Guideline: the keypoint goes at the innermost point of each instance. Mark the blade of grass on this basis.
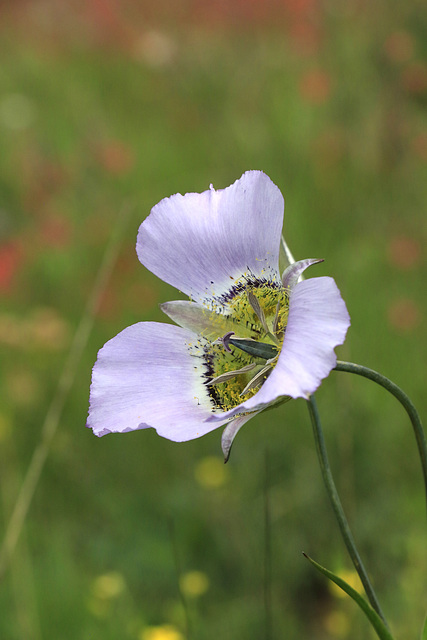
(22, 582)
(372, 615)
(66, 379)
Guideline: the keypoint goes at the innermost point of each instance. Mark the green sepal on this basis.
(373, 617)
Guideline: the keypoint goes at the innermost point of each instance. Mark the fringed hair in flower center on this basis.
(237, 364)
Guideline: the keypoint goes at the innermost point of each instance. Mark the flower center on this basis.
(240, 362)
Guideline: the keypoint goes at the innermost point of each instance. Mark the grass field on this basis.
(107, 107)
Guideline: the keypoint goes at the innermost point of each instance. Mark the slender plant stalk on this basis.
(65, 382)
(178, 573)
(404, 400)
(267, 553)
(337, 507)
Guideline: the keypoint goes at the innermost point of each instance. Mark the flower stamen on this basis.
(258, 379)
(276, 319)
(224, 377)
(259, 312)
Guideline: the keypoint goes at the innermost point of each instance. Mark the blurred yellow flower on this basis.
(47, 328)
(156, 49)
(43, 328)
(194, 583)
(211, 472)
(164, 632)
(351, 578)
(108, 586)
(104, 589)
(22, 387)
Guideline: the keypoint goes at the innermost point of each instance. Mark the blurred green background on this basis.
(107, 104)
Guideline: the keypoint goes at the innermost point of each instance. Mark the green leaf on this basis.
(424, 631)
(373, 617)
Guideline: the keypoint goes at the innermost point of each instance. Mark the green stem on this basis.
(404, 400)
(267, 553)
(337, 507)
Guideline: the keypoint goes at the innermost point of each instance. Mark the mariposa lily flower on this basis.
(248, 338)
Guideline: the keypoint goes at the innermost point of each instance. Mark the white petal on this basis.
(317, 323)
(293, 273)
(202, 243)
(148, 376)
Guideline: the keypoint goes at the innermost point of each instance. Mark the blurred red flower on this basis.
(404, 315)
(116, 157)
(10, 262)
(315, 86)
(419, 146)
(56, 231)
(404, 252)
(399, 46)
(414, 78)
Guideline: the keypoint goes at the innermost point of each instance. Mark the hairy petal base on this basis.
(317, 322)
